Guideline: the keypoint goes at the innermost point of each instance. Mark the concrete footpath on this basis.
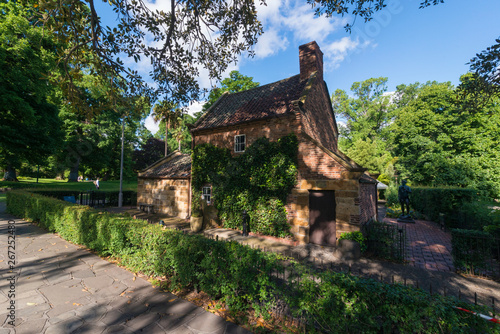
(61, 288)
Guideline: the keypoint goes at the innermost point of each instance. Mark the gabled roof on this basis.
(367, 179)
(270, 100)
(176, 165)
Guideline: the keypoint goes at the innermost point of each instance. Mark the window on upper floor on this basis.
(239, 143)
(207, 194)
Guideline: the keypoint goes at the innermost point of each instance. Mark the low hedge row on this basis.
(432, 201)
(246, 278)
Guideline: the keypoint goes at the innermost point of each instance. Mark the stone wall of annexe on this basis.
(319, 171)
(169, 196)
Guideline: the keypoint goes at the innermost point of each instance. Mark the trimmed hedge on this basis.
(432, 201)
(243, 277)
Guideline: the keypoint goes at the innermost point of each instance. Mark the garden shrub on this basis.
(480, 215)
(432, 201)
(472, 250)
(245, 278)
(391, 194)
(257, 181)
(355, 236)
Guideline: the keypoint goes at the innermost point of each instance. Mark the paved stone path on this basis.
(61, 288)
(428, 246)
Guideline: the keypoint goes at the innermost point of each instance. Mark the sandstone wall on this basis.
(169, 196)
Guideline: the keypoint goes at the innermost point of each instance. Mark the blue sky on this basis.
(404, 43)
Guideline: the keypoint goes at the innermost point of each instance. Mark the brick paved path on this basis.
(428, 247)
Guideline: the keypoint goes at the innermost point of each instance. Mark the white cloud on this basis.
(195, 106)
(336, 51)
(339, 50)
(270, 43)
(150, 124)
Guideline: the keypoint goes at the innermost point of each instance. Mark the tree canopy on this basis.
(366, 116)
(440, 141)
(236, 82)
(177, 41)
(29, 126)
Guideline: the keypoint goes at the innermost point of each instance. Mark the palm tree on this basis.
(169, 113)
(178, 133)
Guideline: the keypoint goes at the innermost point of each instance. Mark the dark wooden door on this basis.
(322, 217)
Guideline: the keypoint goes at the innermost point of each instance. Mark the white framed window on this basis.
(207, 194)
(239, 143)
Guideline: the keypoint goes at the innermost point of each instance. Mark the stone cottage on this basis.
(333, 194)
(166, 185)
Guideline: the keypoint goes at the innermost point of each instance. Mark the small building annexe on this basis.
(332, 194)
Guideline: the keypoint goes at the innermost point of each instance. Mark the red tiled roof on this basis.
(175, 165)
(257, 103)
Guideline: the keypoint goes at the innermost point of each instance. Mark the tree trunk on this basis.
(166, 138)
(10, 174)
(73, 171)
(179, 145)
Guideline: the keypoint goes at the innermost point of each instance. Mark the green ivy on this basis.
(257, 181)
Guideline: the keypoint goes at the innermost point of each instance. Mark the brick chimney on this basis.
(311, 60)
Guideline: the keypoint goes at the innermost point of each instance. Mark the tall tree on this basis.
(168, 113)
(487, 64)
(149, 152)
(236, 82)
(93, 144)
(439, 141)
(366, 116)
(179, 132)
(29, 125)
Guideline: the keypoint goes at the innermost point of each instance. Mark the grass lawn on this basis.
(59, 184)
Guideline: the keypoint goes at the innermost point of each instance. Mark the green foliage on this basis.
(236, 82)
(51, 184)
(196, 207)
(391, 194)
(478, 215)
(257, 181)
(472, 250)
(384, 240)
(384, 178)
(440, 140)
(244, 278)
(433, 201)
(29, 125)
(363, 138)
(355, 236)
(393, 212)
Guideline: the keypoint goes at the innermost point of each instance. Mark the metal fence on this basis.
(92, 198)
(476, 253)
(387, 241)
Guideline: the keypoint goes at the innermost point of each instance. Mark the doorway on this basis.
(322, 223)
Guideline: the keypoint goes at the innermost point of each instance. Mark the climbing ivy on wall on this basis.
(258, 181)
